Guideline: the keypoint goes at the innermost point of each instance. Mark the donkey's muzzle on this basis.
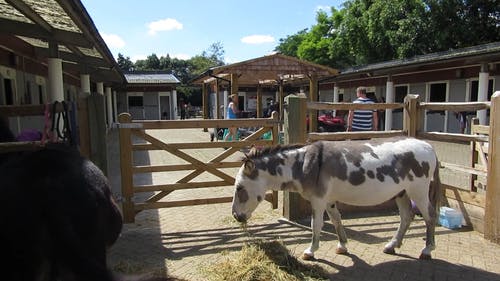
(240, 217)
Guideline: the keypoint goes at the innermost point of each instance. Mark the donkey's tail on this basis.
(435, 189)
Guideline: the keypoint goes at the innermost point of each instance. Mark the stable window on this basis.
(41, 98)
(9, 92)
(400, 93)
(437, 92)
(135, 101)
(474, 89)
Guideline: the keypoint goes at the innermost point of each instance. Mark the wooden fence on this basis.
(414, 111)
(215, 166)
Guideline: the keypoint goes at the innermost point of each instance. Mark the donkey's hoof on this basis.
(425, 256)
(307, 257)
(389, 251)
(341, 251)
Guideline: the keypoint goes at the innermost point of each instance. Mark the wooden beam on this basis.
(34, 31)
(30, 13)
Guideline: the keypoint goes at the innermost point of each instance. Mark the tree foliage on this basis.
(124, 63)
(367, 31)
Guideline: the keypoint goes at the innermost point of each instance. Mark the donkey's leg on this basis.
(316, 225)
(406, 214)
(430, 216)
(336, 219)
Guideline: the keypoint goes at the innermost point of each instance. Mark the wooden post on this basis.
(83, 127)
(234, 85)
(492, 210)
(97, 131)
(313, 96)
(294, 207)
(276, 141)
(474, 156)
(217, 100)
(259, 101)
(411, 116)
(281, 100)
(126, 168)
(204, 99)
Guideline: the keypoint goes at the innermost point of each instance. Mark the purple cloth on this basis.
(29, 135)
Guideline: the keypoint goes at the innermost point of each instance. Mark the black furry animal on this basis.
(57, 215)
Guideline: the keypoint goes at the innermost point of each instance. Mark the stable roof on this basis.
(452, 59)
(151, 78)
(27, 27)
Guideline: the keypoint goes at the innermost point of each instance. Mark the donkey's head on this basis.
(250, 191)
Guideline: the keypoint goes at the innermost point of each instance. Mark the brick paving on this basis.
(184, 240)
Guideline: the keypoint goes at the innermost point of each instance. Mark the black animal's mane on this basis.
(271, 150)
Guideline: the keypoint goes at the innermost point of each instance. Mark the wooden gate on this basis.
(130, 130)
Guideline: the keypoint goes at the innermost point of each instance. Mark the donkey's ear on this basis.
(249, 167)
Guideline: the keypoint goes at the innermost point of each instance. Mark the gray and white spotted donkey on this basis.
(361, 173)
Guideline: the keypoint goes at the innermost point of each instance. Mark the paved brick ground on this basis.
(185, 240)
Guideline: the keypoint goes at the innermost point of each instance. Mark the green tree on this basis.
(289, 46)
(368, 31)
(124, 63)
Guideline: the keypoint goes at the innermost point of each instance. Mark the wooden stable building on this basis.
(462, 75)
(51, 51)
(149, 95)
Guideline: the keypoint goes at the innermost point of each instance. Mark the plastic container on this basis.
(450, 218)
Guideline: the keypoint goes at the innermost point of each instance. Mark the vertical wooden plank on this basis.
(313, 96)
(234, 84)
(492, 210)
(97, 131)
(83, 127)
(281, 100)
(276, 141)
(217, 100)
(411, 116)
(474, 156)
(126, 168)
(259, 101)
(294, 207)
(204, 100)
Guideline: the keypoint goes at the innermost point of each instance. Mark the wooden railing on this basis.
(139, 129)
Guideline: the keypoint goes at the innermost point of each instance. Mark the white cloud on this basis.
(164, 25)
(135, 58)
(323, 8)
(113, 40)
(181, 56)
(257, 39)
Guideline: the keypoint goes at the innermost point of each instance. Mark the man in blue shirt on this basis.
(362, 120)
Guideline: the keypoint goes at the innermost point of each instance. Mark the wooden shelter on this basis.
(271, 70)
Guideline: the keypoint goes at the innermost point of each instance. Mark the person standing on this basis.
(232, 111)
(362, 120)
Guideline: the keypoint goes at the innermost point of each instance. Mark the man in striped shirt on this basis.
(362, 120)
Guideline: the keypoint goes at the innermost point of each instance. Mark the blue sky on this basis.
(185, 28)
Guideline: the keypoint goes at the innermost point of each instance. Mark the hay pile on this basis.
(259, 261)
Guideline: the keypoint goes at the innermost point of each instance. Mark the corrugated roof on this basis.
(489, 52)
(151, 78)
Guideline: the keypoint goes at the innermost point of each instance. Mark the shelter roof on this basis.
(151, 78)
(267, 70)
(27, 27)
